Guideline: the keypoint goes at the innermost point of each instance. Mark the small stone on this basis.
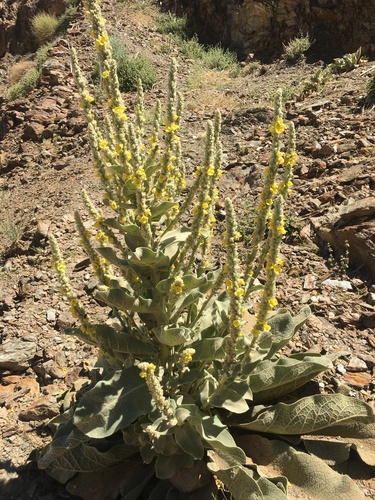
(356, 365)
(310, 282)
(371, 298)
(345, 285)
(340, 368)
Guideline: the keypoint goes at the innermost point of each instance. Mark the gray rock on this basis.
(17, 356)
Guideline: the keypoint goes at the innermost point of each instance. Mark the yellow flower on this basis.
(105, 74)
(280, 229)
(236, 323)
(277, 126)
(89, 98)
(103, 144)
(102, 40)
(272, 302)
(211, 171)
(172, 127)
(274, 188)
(290, 159)
(177, 286)
(118, 110)
(118, 148)
(280, 157)
(187, 356)
(114, 205)
(239, 292)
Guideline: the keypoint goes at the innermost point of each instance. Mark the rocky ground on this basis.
(45, 162)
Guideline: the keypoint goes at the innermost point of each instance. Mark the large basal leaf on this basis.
(113, 403)
(108, 483)
(360, 435)
(272, 379)
(217, 436)
(310, 414)
(309, 476)
(66, 436)
(240, 481)
(331, 452)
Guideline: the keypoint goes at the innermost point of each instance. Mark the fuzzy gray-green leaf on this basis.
(114, 402)
(310, 414)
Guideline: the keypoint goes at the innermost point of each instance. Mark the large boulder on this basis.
(262, 27)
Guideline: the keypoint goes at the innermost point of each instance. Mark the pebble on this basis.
(356, 365)
(345, 285)
(51, 315)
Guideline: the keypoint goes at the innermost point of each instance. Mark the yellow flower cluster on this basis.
(177, 286)
(187, 356)
(277, 126)
(146, 369)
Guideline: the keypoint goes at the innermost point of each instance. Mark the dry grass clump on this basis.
(18, 70)
(44, 27)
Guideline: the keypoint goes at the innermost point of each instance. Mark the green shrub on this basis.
(171, 24)
(370, 97)
(44, 27)
(24, 86)
(130, 68)
(191, 48)
(347, 62)
(294, 51)
(65, 19)
(42, 54)
(138, 67)
(218, 58)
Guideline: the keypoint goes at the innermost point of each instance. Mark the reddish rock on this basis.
(41, 409)
(33, 131)
(357, 380)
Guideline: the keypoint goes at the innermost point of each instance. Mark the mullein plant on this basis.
(181, 374)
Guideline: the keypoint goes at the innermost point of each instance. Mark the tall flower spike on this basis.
(100, 266)
(76, 308)
(234, 286)
(273, 268)
(288, 163)
(163, 405)
(269, 189)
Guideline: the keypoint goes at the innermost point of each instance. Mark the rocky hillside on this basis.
(45, 162)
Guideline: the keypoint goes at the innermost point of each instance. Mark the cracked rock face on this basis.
(261, 27)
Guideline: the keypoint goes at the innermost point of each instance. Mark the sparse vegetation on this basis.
(44, 27)
(171, 24)
(130, 68)
(25, 85)
(294, 51)
(370, 97)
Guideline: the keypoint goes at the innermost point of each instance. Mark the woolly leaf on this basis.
(113, 403)
(310, 414)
